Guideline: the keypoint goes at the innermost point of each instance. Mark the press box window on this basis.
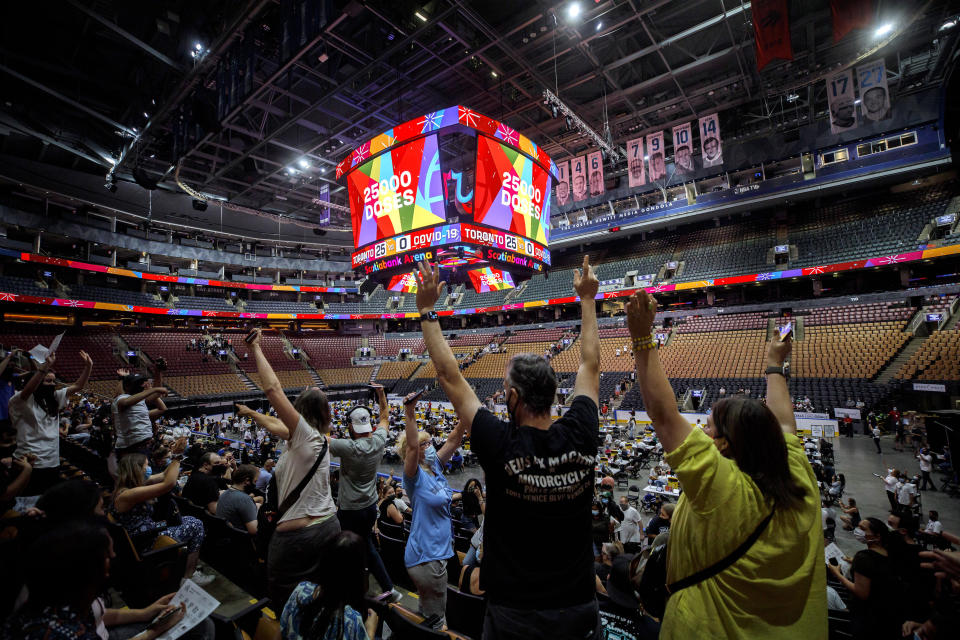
(840, 155)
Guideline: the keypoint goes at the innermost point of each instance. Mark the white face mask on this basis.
(860, 535)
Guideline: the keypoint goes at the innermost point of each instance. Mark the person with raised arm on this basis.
(538, 546)
(745, 556)
(35, 415)
(133, 417)
(295, 553)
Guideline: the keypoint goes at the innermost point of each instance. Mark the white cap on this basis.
(360, 420)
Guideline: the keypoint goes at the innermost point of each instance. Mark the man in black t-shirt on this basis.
(538, 553)
(203, 485)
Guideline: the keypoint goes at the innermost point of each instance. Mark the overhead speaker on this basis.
(199, 205)
(141, 178)
(320, 232)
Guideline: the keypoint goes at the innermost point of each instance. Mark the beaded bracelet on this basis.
(644, 343)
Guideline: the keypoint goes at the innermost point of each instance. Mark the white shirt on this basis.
(925, 461)
(400, 504)
(903, 495)
(890, 484)
(934, 526)
(630, 527)
(294, 464)
(132, 424)
(876, 432)
(37, 432)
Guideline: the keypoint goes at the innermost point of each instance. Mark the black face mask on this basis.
(218, 470)
(45, 396)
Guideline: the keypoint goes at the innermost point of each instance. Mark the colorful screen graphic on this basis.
(396, 192)
(460, 257)
(490, 279)
(404, 283)
(513, 192)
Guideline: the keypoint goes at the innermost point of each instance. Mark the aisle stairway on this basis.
(911, 347)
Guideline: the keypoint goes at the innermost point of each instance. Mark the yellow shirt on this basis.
(778, 588)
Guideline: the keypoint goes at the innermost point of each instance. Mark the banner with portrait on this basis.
(636, 175)
(841, 98)
(874, 93)
(710, 141)
(595, 167)
(563, 182)
(578, 173)
(683, 149)
(658, 165)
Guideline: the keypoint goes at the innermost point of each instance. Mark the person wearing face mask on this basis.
(132, 417)
(630, 534)
(235, 504)
(35, 414)
(874, 608)
(540, 478)
(203, 485)
(745, 557)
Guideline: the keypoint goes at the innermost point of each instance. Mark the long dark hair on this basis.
(65, 562)
(757, 446)
(341, 580)
(313, 406)
(45, 396)
(471, 504)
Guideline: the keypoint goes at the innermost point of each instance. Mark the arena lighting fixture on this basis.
(599, 26)
(883, 30)
(573, 10)
(420, 16)
(949, 23)
(572, 118)
(304, 163)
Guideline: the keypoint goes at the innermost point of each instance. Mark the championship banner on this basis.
(771, 31)
(563, 184)
(658, 168)
(710, 142)
(635, 171)
(874, 94)
(850, 14)
(683, 148)
(578, 171)
(595, 163)
(841, 99)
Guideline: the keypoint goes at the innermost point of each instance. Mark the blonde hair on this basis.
(402, 442)
(130, 471)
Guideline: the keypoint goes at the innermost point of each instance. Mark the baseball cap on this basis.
(360, 420)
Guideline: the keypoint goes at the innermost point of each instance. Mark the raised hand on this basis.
(585, 283)
(255, 341)
(87, 360)
(641, 311)
(123, 373)
(244, 411)
(429, 286)
(778, 350)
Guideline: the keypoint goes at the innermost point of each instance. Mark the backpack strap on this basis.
(721, 565)
(294, 495)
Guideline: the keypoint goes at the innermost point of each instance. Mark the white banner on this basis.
(874, 94)
(826, 428)
(710, 143)
(578, 171)
(636, 175)
(928, 386)
(843, 413)
(595, 166)
(658, 166)
(800, 415)
(683, 148)
(840, 97)
(563, 182)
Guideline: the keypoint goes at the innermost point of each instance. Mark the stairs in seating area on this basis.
(317, 380)
(913, 345)
(247, 382)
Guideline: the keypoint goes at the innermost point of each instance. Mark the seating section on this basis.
(114, 295)
(871, 312)
(279, 306)
(273, 347)
(732, 322)
(293, 379)
(173, 347)
(393, 371)
(217, 303)
(847, 350)
(23, 286)
(733, 249)
(714, 353)
(937, 359)
(392, 347)
(345, 376)
(536, 335)
(205, 385)
(326, 350)
(99, 344)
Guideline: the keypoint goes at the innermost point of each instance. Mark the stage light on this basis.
(883, 30)
(599, 26)
(420, 16)
(304, 163)
(146, 115)
(198, 47)
(573, 10)
(493, 73)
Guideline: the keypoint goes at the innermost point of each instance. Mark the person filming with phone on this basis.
(745, 556)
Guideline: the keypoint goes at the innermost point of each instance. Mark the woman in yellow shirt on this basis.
(746, 464)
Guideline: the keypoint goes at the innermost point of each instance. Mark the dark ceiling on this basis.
(89, 84)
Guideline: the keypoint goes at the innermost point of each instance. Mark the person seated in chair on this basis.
(235, 504)
(203, 485)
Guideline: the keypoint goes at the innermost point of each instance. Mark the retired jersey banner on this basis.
(578, 172)
(841, 97)
(635, 172)
(874, 94)
(563, 182)
(771, 31)
(683, 148)
(595, 165)
(710, 142)
(658, 166)
(850, 14)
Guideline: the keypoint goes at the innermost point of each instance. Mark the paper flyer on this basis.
(200, 604)
(40, 352)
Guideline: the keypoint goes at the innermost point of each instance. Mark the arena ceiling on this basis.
(136, 88)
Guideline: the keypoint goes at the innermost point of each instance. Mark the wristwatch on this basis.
(783, 370)
(429, 316)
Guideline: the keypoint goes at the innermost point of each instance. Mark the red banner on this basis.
(771, 30)
(849, 15)
(635, 162)
(578, 171)
(595, 165)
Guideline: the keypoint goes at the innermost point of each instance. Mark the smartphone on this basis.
(834, 562)
(786, 330)
(250, 337)
(878, 475)
(415, 397)
(163, 618)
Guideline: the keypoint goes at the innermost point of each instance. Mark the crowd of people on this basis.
(551, 548)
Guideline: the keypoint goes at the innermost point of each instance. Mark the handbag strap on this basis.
(721, 565)
(294, 495)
